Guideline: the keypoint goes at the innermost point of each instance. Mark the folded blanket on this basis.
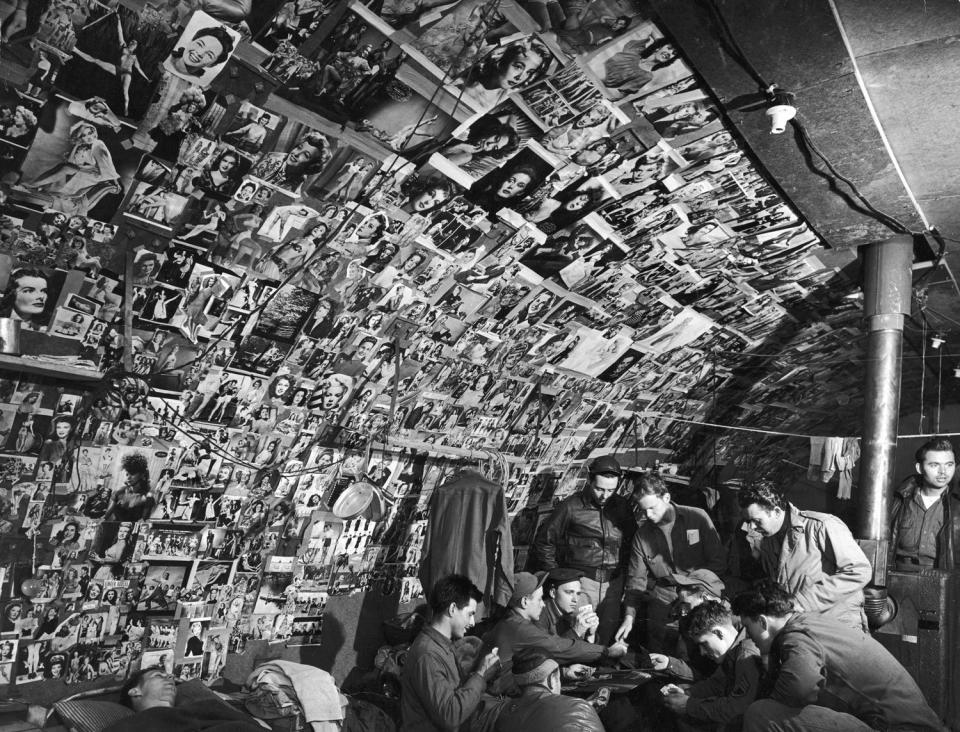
(313, 688)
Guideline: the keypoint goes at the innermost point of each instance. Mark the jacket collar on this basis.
(588, 502)
(437, 637)
(908, 488)
(797, 518)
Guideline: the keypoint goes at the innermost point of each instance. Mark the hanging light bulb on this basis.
(936, 341)
(956, 372)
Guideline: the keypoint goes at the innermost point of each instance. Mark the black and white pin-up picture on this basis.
(202, 50)
(299, 153)
(76, 164)
(639, 61)
(485, 143)
(156, 206)
(116, 56)
(250, 127)
(579, 33)
(511, 185)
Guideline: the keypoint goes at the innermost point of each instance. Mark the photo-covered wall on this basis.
(251, 262)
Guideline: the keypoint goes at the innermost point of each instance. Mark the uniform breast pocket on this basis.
(909, 530)
(580, 542)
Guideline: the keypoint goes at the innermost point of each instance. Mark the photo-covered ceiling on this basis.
(255, 254)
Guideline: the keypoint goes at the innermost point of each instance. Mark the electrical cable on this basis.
(729, 42)
(923, 371)
(807, 146)
(941, 253)
(936, 426)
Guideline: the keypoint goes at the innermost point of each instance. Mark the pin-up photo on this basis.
(202, 50)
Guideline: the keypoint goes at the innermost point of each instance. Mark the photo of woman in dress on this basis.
(323, 319)
(55, 446)
(350, 180)
(642, 64)
(134, 500)
(223, 174)
(85, 176)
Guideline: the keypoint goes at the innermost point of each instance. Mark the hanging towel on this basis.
(830, 464)
(816, 457)
(849, 457)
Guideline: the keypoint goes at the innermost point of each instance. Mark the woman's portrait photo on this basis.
(202, 50)
(29, 294)
(507, 68)
(302, 155)
(590, 126)
(70, 324)
(222, 173)
(569, 205)
(511, 185)
(425, 193)
(321, 322)
(485, 144)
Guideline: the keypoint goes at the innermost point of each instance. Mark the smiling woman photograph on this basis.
(203, 49)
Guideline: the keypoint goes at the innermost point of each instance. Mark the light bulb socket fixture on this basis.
(780, 110)
(937, 341)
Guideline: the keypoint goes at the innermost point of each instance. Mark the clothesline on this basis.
(779, 433)
(739, 429)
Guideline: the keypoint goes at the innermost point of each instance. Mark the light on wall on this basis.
(781, 109)
(937, 341)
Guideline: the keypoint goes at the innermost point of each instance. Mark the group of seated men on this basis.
(791, 651)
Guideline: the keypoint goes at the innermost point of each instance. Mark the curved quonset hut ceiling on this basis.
(906, 53)
(711, 299)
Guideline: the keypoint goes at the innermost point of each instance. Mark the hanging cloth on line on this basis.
(832, 455)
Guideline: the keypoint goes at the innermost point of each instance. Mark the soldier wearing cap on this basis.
(591, 532)
(693, 589)
(564, 614)
(540, 704)
(518, 631)
(672, 538)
